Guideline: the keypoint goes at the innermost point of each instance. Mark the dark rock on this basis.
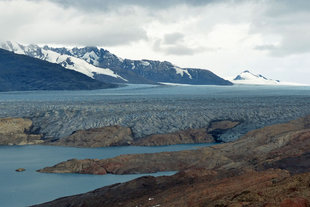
(296, 164)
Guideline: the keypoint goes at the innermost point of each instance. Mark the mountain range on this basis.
(23, 73)
(102, 65)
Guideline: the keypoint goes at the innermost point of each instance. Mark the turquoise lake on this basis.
(26, 188)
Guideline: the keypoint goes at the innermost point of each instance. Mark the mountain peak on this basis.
(246, 77)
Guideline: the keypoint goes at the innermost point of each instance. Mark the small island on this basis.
(20, 170)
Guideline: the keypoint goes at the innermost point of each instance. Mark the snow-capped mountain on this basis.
(246, 77)
(102, 65)
(67, 61)
(24, 73)
(142, 71)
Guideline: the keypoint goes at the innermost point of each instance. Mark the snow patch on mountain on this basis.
(50, 56)
(79, 65)
(133, 66)
(181, 71)
(82, 66)
(144, 63)
(13, 47)
(91, 57)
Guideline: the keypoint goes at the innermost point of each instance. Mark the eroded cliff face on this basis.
(16, 131)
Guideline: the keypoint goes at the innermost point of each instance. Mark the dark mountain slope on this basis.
(23, 73)
(142, 71)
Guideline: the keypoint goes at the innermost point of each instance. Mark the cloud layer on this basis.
(225, 36)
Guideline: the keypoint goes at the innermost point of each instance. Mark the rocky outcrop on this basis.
(98, 137)
(259, 149)
(119, 135)
(189, 136)
(16, 131)
(83, 167)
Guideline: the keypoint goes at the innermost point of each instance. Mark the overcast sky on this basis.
(271, 37)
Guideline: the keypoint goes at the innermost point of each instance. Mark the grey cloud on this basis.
(286, 19)
(176, 49)
(173, 38)
(99, 38)
(182, 50)
(265, 47)
(112, 4)
(45, 22)
(293, 42)
(284, 7)
(289, 22)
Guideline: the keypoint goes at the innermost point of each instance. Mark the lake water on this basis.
(18, 189)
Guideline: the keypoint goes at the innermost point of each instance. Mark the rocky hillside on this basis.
(256, 150)
(24, 73)
(102, 65)
(241, 173)
(198, 187)
(97, 137)
(120, 135)
(16, 131)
